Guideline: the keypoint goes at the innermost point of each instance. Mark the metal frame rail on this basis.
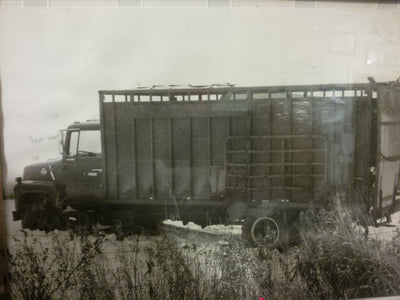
(188, 95)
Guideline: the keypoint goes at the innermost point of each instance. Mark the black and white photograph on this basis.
(200, 149)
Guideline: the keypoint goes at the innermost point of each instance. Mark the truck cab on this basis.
(73, 180)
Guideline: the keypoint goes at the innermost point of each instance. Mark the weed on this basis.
(334, 261)
(47, 270)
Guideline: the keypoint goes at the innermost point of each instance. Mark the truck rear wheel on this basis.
(267, 232)
(270, 232)
(262, 231)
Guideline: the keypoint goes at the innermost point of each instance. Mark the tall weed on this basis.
(335, 260)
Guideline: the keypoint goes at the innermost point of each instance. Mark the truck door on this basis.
(82, 170)
(388, 149)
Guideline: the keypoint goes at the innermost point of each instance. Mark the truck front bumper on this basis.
(17, 215)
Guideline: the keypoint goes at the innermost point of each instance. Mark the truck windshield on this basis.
(89, 142)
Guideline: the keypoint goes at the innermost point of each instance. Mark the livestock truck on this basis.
(265, 156)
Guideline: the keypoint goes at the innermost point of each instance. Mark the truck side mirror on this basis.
(61, 141)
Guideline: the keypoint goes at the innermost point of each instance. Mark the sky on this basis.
(54, 60)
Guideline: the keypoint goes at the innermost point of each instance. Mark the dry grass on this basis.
(334, 261)
(337, 260)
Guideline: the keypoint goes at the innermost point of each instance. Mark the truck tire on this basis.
(44, 218)
(267, 232)
(29, 221)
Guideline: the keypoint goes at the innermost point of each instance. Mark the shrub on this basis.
(48, 268)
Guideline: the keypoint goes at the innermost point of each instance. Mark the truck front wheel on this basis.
(44, 218)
